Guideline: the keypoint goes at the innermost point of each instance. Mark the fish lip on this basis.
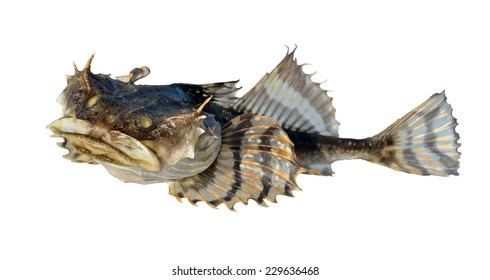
(100, 143)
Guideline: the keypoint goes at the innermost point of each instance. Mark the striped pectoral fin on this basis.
(424, 141)
(256, 161)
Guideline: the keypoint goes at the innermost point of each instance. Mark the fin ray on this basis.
(293, 99)
(424, 141)
(259, 167)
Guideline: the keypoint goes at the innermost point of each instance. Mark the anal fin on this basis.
(322, 169)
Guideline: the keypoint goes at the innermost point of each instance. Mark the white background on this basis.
(61, 220)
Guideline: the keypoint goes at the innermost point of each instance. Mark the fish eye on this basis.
(144, 121)
(91, 102)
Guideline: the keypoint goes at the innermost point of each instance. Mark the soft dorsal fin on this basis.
(256, 161)
(293, 99)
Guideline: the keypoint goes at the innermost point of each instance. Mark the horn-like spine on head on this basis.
(83, 75)
(201, 107)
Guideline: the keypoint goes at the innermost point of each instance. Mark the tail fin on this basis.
(423, 142)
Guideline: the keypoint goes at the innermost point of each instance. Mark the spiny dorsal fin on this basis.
(256, 161)
(293, 99)
(223, 93)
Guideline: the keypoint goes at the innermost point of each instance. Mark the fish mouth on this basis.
(140, 161)
(105, 145)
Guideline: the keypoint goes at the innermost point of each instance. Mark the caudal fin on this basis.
(423, 142)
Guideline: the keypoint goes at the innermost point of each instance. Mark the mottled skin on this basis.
(309, 148)
(123, 105)
(120, 106)
(215, 147)
(164, 118)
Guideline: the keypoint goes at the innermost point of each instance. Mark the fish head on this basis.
(139, 134)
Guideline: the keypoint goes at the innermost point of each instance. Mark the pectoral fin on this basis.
(256, 161)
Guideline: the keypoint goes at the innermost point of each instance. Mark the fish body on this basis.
(212, 146)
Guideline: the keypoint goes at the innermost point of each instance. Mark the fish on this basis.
(213, 146)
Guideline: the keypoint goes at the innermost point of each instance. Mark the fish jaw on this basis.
(104, 145)
(191, 148)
